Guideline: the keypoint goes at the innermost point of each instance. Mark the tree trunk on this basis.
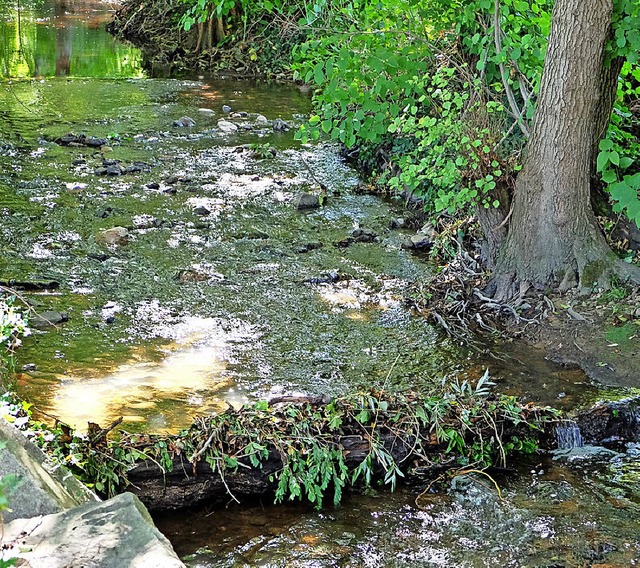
(554, 240)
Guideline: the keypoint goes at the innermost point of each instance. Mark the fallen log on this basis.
(186, 483)
(311, 447)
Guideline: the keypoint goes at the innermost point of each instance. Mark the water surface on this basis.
(224, 293)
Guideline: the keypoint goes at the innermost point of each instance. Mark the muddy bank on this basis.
(601, 336)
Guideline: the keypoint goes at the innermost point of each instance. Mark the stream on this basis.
(187, 279)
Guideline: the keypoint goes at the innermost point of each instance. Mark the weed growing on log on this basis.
(308, 448)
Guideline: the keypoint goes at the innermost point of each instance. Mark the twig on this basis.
(102, 433)
(515, 110)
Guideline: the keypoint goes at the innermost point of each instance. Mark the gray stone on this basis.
(202, 211)
(226, 108)
(361, 235)
(429, 231)
(114, 170)
(115, 236)
(43, 488)
(306, 201)
(184, 121)
(226, 126)
(280, 125)
(109, 534)
(421, 242)
(48, 318)
(262, 120)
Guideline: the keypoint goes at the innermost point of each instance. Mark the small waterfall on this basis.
(568, 436)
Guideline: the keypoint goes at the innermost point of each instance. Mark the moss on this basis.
(593, 272)
(623, 336)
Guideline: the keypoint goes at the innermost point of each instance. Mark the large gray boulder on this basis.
(43, 488)
(109, 534)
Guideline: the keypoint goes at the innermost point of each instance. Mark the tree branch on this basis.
(515, 110)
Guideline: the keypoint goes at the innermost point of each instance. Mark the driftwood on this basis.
(269, 450)
(397, 440)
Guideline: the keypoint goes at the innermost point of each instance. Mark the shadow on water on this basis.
(224, 292)
(551, 514)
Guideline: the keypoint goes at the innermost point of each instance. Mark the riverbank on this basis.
(256, 44)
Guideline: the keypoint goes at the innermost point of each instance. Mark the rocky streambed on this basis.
(181, 252)
(181, 265)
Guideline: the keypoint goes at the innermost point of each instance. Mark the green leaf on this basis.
(605, 144)
(318, 73)
(602, 161)
(625, 162)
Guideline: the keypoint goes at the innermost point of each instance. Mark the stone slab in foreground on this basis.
(108, 534)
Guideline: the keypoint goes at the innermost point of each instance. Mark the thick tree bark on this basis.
(554, 239)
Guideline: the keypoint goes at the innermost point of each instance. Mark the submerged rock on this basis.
(226, 108)
(81, 139)
(116, 236)
(304, 201)
(48, 319)
(202, 211)
(184, 121)
(308, 247)
(330, 277)
(114, 170)
(361, 235)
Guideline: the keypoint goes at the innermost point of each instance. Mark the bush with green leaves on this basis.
(437, 96)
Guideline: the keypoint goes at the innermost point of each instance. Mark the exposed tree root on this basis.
(458, 298)
(464, 298)
(261, 48)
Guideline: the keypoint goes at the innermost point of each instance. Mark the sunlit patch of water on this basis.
(189, 378)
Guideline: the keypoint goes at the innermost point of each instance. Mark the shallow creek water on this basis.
(225, 293)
